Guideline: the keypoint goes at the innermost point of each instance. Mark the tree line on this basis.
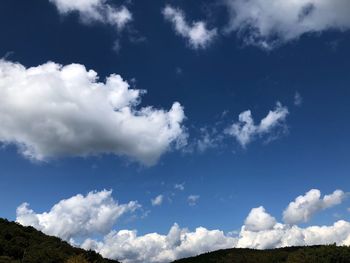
(19, 244)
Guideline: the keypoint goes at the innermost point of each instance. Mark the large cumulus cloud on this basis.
(305, 206)
(128, 247)
(77, 216)
(53, 110)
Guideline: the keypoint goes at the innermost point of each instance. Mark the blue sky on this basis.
(227, 70)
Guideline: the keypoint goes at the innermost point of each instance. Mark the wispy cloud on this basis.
(95, 11)
(180, 187)
(245, 130)
(157, 201)
(274, 22)
(192, 200)
(197, 34)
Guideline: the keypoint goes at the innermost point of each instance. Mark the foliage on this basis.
(19, 244)
(77, 259)
(311, 254)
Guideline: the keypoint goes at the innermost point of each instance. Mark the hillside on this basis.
(19, 244)
(317, 254)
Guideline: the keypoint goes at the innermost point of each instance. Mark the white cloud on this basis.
(95, 11)
(285, 235)
(305, 206)
(268, 23)
(192, 199)
(78, 216)
(158, 200)
(97, 212)
(128, 247)
(259, 220)
(180, 187)
(52, 110)
(245, 130)
(262, 231)
(197, 33)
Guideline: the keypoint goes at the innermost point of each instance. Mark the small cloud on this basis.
(245, 130)
(158, 200)
(96, 11)
(298, 100)
(224, 113)
(180, 187)
(197, 34)
(145, 214)
(192, 200)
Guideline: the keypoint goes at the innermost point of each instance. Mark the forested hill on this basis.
(19, 244)
(312, 254)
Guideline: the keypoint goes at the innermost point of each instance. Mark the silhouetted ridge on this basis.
(311, 254)
(19, 244)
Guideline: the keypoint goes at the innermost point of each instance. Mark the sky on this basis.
(155, 130)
